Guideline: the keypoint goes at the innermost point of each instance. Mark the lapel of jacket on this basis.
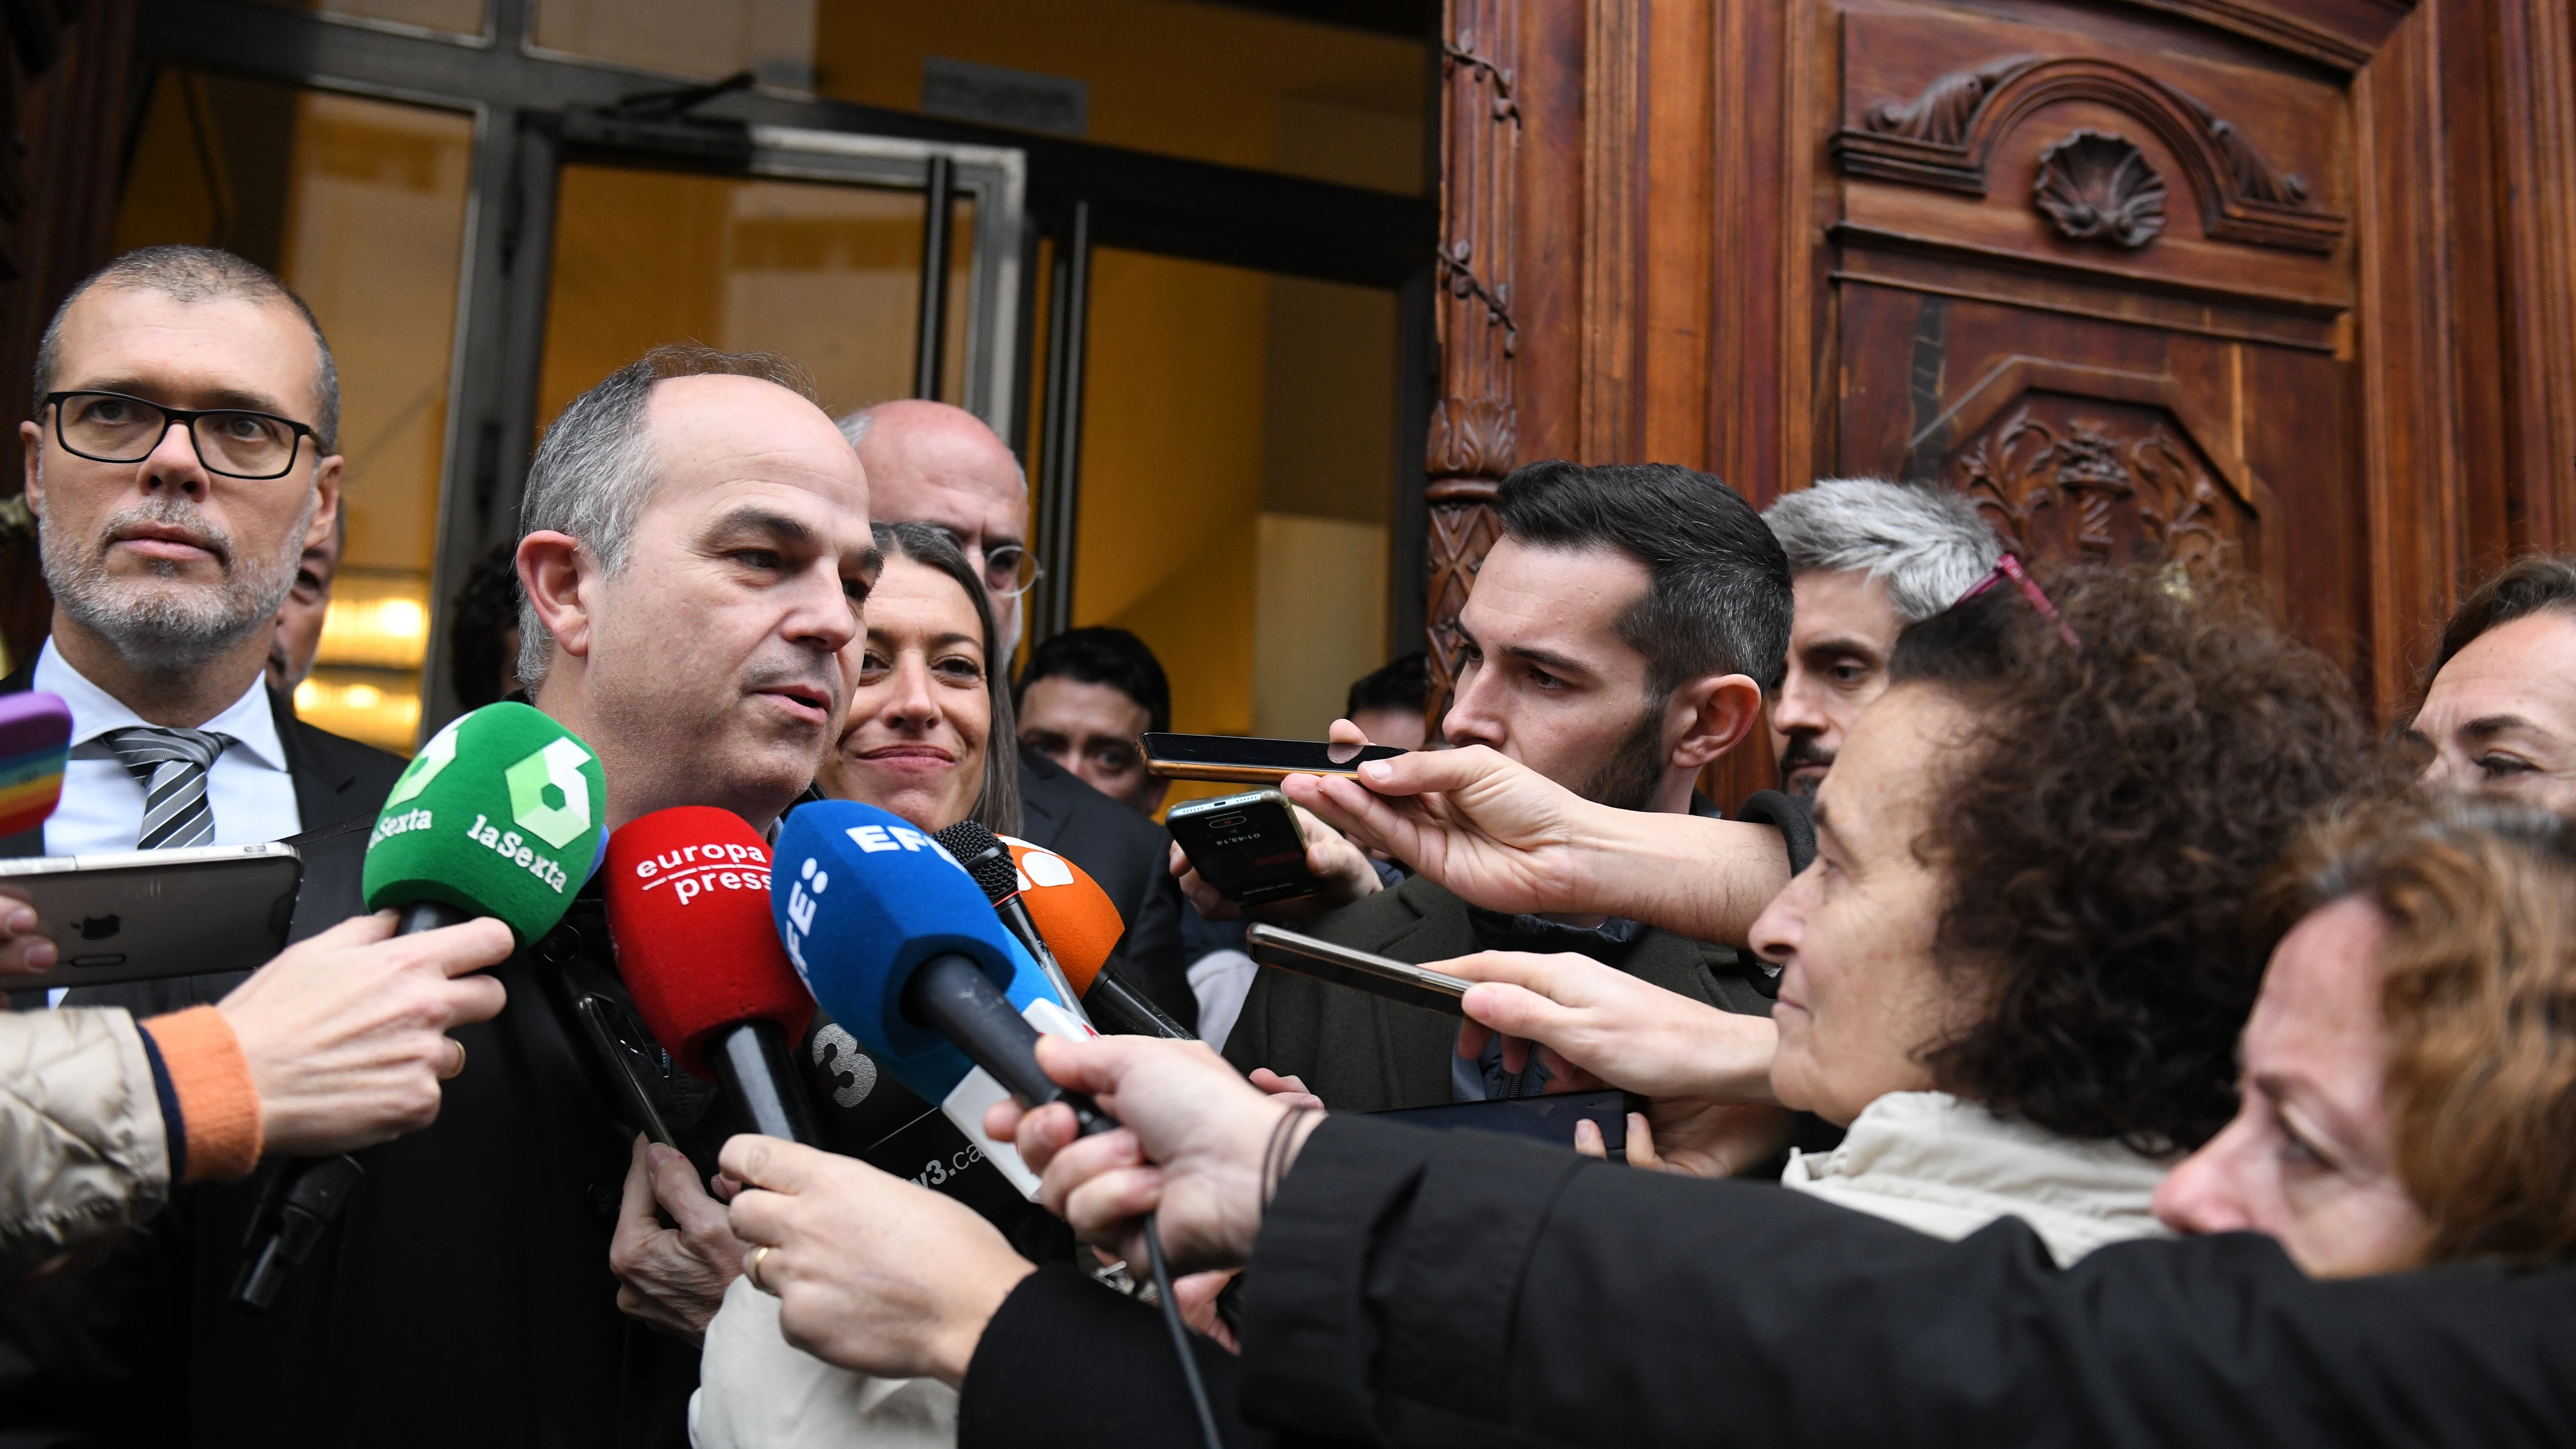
(1415, 1045)
(319, 787)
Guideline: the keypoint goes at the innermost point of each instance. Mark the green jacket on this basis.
(1364, 1053)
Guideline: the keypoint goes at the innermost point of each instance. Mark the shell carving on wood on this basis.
(2097, 187)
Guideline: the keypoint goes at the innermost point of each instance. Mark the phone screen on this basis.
(1284, 757)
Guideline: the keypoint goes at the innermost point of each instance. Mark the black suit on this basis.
(335, 778)
(1130, 856)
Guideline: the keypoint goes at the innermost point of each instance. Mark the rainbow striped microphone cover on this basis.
(35, 738)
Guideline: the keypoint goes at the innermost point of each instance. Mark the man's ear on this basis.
(31, 441)
(1154, 797)
(326, 502)
(557, 574)
(1713, 715)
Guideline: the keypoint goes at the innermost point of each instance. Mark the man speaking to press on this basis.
(695, 550)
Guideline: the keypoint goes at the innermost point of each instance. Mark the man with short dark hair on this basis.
(1618, 641)
(1083, 700)
(694, 552)
(1387, 702)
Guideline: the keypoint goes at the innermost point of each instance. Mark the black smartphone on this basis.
(1358, 970)
(1258, 762)
(1248, 846)
(1549, 1119)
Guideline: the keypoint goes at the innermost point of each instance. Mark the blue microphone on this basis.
(899, 944)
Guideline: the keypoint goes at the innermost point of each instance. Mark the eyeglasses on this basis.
(110, 427)
(2008, 568)
(1008, 569)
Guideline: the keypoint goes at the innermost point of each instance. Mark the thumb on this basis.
(769, 1162)
(1085, 1066)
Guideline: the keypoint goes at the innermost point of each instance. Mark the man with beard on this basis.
(1867, 558)
(170, 536)
(1618, 641)
(694, 554)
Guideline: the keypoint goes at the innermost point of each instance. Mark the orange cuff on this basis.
(218, 1103)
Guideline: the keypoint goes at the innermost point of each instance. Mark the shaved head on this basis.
(928, 462)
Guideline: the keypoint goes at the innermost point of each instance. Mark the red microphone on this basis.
(688, 909)
(1082, 927)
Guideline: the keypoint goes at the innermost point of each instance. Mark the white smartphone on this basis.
(145, 915)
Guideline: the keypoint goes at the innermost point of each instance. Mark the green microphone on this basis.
(498, 815)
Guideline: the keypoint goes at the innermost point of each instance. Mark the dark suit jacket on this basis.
(336, 778)
(1130, 856)
(1364, 1053)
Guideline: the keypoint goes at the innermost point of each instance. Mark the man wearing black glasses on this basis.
(931, 463)
(181, 457)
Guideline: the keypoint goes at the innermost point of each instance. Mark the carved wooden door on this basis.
(2097, 273)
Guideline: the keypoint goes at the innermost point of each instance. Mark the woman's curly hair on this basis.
(2103, 839)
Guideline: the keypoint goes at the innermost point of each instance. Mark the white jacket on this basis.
(758, 1391)
(1948, 1167)
(81, 1138)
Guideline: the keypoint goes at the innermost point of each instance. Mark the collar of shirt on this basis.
(249, 720)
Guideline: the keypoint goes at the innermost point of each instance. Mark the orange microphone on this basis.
(1080, 925)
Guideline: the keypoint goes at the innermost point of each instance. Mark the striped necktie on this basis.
(170, 765)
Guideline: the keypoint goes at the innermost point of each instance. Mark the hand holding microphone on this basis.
(498, 815)
(1199, 1147)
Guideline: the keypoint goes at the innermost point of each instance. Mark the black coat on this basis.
(1130, 856)
(465, 1298)
(1463, 1289)
(1364, 1053)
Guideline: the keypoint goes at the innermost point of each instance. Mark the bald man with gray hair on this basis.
(1866, 558)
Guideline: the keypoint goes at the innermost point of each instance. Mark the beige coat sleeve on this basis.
(83, 1154)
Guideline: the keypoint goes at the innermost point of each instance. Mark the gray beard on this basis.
(1628, 779)
(164, 628)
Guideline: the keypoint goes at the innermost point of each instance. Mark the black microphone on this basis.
(988, 860)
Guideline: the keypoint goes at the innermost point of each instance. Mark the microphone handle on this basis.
(757, 1068)
(1015, 916)
(951, 995)
(1122, 1010)
(304, 1206)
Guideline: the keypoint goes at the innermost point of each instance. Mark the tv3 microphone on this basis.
(498, 815)
(974, 846)
(898, 943)
(688, 910)
(1075, 916)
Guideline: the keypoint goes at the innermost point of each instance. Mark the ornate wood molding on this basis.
(2097, 187)
(2067, 479)
(1472, 442)
(1946, 137)
(1613, 229)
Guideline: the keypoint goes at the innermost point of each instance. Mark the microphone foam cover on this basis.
(35, 739)
(499, 814)
(862, 898)
(688, 906)
(1069, 909)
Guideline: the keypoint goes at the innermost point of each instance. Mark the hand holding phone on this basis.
(1248, 846)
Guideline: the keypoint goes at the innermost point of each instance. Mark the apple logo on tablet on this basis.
(99, 928)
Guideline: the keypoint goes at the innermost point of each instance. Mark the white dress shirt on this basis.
(248, 787)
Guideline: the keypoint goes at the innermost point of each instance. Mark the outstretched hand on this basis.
(1495, 833)
(1193, 1147)
(1596, 1026)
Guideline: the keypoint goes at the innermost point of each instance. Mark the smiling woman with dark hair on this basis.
(926, 699)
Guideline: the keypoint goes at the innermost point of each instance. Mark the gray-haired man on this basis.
(1866, 558)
